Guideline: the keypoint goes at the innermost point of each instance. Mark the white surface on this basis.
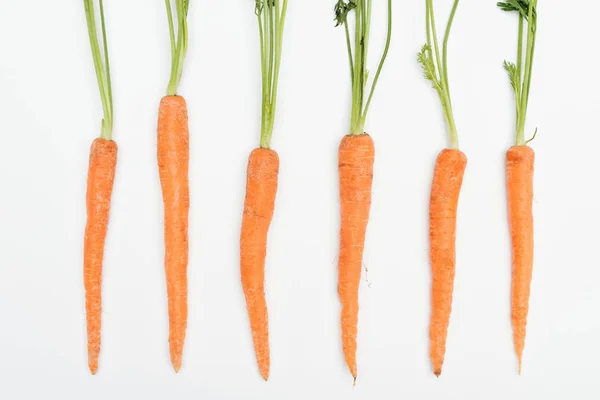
(50, 112)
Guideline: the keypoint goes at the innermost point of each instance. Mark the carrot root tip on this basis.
(437, 373)
(354, 383)
(93, 369)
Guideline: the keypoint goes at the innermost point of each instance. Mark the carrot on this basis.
(355, 164)
(173, 164)
(173, 160)
(101, 175)
(261, 183)
(445, 190)
(519, 184)
(261, 189)
(519, 175)
(356, 159)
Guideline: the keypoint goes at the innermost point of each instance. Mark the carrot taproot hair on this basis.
(519, 184)
(261, 189)
(355, 163)
(101, 175)
(445, 190)
(173, 161)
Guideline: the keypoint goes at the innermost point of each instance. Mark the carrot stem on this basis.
(101, 65)
(273, 13)
(179, 45)
(358, 60)
(436, 66)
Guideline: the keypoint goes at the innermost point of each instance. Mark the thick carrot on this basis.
(173, 160)
(261, 189)
(445, 190)
(101, 175)
(519, 184)
(355, 163)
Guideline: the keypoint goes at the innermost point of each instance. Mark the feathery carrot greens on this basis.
(271, 20)
(520, 75)
(436, 67)
(358, 61)
(179, 44)
(101, 65)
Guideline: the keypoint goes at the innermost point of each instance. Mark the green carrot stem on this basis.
(101, 65)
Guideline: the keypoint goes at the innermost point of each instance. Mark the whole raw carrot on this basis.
(261, 189)
(356, 156)
(261, 182)
(101, 175)
(519, 185)
(445, 190)
(173, 164)
(355, 164)
(519, 175)
(173, 160)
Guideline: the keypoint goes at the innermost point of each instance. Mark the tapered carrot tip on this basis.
(437, 373)
(354, 383)
(520, 364)
(264, 372)
(176, 361)
(93, 368)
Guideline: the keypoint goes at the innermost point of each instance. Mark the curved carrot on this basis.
(445, 190)
(101, 175)
(173, 160)
(261, 189)
(519, 184)
(355, 163)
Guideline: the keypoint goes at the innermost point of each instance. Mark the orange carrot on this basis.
(173, 160)
(101, 175)
(261, 189)
(519, 174)
(519, 184)
(356, 158)
(445, 190)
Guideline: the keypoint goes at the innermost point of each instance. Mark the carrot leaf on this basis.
(271, 21)
(435, 66)
(358, 58)
(179, 42)
(101, 65)
(519, 73)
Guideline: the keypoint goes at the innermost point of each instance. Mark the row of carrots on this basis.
(356, 159)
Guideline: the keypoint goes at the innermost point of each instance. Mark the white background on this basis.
(50, 112)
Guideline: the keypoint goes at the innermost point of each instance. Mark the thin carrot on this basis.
(445, 190)
(356, 159)
(261, 183)
(519, 185)
(355, 164)
(261, 189)
(173, 164)
(101, 175)
(519, 174)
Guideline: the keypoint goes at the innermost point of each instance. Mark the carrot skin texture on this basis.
(355, 164)
(261, 190)
(173, 166)
(101, 176)
(519, 183)
(445, 190)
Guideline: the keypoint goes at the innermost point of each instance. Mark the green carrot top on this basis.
(435, 67)
(271, 21)
(358, 57)
(101, 65)
(179, 43)
(519, 74)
